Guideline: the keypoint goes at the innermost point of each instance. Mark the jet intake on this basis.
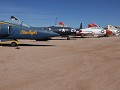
(4, 29)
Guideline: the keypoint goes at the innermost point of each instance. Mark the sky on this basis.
(71, 12)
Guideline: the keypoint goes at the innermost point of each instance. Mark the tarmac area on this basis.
(60, 64)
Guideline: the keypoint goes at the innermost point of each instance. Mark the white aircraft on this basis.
(92, 30)
(114, 30)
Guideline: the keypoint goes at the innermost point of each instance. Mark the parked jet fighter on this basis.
(108, 32)
(115, 30)
(62, 29)
(92, 30)
(15, 29)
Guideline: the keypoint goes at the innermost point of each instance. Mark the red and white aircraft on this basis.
(114, 30)
(92, 30)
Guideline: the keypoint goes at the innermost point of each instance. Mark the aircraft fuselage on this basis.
(63, 31)
(21, 32)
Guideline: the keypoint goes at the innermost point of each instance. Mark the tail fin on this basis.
(62, 24)
(95, 25)
(92, 25)
(81, 26)
(110, 27)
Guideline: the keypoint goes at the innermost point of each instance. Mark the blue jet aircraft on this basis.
(15, 29)
(60, 29)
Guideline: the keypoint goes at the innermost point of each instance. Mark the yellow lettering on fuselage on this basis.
(30, 32)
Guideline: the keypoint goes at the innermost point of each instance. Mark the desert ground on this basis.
(60, 64)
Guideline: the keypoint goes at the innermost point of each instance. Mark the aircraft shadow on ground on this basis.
(34, 45)
(58, 39)
(79, 37)
(88, 37)
(63, 39)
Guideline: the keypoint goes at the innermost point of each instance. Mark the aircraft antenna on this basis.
(56, 21)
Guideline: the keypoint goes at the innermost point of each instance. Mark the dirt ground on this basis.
(77, 64)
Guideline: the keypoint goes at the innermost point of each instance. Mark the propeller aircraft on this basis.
(62, 30)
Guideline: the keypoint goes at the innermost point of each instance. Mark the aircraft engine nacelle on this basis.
(4, 29)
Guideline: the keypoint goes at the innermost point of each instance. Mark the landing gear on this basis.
(107, 35)
(14, 44)
(82, 35)
(98, 36)
(68, 38)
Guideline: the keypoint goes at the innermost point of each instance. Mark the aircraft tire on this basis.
(13, 44)
(68, 38)
(82, 36)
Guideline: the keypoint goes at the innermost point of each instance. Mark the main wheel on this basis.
(13, 44)
(68, 38)
(82, 35)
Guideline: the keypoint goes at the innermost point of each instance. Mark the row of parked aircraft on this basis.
(97, 31)
(92, 30)
(14, 29)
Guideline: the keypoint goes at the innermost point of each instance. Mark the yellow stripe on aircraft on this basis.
(5, 23)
